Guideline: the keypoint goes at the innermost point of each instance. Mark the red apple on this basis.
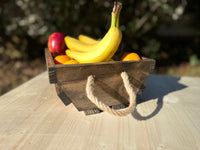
(56, 44)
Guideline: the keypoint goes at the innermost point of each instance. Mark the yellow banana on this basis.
(104, 49)
(89, 40)
(86, 39)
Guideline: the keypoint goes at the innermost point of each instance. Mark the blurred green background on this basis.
(165, 30)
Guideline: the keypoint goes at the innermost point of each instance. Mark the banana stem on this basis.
(113, 20)
(117, 20)
(115, 14)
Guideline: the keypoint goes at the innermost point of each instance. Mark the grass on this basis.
(184, 69)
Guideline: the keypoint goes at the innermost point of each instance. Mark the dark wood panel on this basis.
(71, 81)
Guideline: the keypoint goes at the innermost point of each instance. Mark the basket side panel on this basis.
(69, 73)
(50, 67)
(109, 90)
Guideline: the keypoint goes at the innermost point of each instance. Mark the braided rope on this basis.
(102, 106)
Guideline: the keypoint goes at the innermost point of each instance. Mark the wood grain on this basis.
(71, 80)
(77, 72)
(50, 67)
(167, 117)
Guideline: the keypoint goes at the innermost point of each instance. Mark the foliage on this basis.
(26, 24)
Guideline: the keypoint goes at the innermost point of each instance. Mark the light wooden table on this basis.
(32, 117)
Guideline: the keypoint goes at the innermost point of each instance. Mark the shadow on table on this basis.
(157, 87)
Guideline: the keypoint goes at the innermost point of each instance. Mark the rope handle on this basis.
(106, 108)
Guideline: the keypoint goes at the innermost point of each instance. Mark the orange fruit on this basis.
(130, 56)
(72, 61)
(61, 59)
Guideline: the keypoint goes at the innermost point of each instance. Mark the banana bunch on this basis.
(88, 50)
(86, 39)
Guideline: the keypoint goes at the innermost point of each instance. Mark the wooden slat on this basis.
(50, 67)
(108, 90)
(73, 72)
(32, 117)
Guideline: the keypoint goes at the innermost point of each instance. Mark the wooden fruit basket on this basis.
(70, 81)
